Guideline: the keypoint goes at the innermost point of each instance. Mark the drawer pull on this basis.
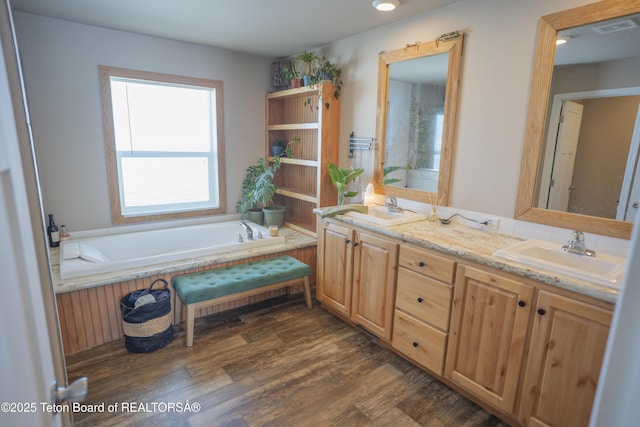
(420, 299)
(541, 311)
(421, 264)
(415, 344)
(522, 303)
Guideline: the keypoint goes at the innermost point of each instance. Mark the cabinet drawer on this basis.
(419, 341)
(424, 298)
(428, 264)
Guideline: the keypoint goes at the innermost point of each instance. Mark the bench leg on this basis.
(177, 315)
(190, 321)
(307, 292)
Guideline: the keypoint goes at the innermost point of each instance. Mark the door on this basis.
(335, 245)
(486, 341)
(629, 200)
(26, 360)
(565, 156)
(567, 347)
(374, 283)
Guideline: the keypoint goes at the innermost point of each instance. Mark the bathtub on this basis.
(102, 254)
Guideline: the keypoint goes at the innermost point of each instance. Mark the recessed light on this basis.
(562, 40)
(385, 5)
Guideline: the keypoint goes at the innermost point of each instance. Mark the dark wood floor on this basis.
(281, 365)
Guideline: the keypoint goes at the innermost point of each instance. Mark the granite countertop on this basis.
(293, 240)
(477, 245)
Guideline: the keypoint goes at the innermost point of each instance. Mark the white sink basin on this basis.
(603, 269)
(382, 216)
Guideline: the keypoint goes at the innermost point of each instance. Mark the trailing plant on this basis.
(341, 178)
(288, 150)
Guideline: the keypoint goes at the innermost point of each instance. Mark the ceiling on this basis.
(587, 45)
(270, 28)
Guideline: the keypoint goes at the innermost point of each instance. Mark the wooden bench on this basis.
(207, 288)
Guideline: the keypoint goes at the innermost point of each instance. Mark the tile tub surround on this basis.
(88, 307)
(477, 245)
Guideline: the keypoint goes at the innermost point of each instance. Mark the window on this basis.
(164, 145)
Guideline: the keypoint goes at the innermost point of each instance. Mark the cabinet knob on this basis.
(420, 299)
(541, 311)
(347, 241)
(355, 244)
(522, 303)
(421, 264)
(415, 344)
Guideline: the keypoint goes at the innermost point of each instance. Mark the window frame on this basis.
(105, 73)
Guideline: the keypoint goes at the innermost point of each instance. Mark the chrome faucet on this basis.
(247, 228)
(391, 204)
(577, 246)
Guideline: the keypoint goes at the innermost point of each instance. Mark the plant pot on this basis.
(305, 79)
(294, 83)
(274, 216)
(277, 150)
(256, 216)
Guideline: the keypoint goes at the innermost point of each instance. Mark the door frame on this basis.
(33, 193)
(553, 126)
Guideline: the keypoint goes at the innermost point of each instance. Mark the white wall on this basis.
(496, 74)
(60, 61)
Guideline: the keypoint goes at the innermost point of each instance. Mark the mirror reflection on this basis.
(417, 97)
(598, 63)
(589, 158)
(415, 119)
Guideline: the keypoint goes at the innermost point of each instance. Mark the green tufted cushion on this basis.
(220, 282)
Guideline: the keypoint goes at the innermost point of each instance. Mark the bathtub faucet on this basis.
(391, 204)
(247, 228)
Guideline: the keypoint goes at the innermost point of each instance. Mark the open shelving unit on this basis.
(312, 114)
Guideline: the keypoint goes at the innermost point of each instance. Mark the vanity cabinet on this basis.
(488, 330)
(567, 346)
(357, 276)
(303, 179)
(528, 351)
(335, 265)
(423, 307)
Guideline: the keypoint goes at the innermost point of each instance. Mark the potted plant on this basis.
(293, 77)
(278, 147)
(263, 191)
(247, 205)
(307, 58)
(341, 178)
(327, 71)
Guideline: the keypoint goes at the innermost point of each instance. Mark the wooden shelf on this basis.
(303, 181)
(300, 162)
(293, 126)
(290, 192)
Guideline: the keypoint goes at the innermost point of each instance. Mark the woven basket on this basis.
(147, 327)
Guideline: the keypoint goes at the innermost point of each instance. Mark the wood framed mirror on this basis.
(416, 119)
(545, 100)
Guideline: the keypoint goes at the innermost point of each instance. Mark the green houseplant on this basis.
(248, 205)
(341, 178)
(264, 189)
(307, 58)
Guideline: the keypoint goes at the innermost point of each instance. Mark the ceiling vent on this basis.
(614, 27)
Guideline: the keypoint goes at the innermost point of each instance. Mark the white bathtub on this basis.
(87, 256)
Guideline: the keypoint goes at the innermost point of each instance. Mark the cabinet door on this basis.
(333, 287)
(567, 346)
(488, 329)
(374, 284)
